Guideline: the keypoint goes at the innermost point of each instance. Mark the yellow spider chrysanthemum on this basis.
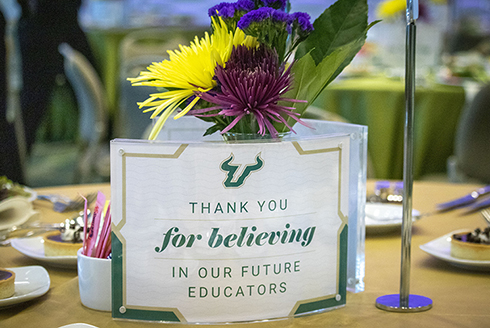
(189, 69)
(390, 8)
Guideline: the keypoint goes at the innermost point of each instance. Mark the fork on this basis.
(26, 230)
(31, 229)
(65, 204)
(486, 215)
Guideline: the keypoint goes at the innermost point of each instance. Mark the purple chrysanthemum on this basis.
(252, 83)
(276, 4)
(302, 21)
(263, 14)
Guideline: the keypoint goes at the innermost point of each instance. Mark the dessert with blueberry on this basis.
(67, 241)
(473, 245)
(7, 283)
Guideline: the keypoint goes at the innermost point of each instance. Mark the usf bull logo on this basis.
(234, 181)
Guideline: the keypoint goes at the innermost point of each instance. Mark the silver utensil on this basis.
(387, 198)
(465, 200)
(36, 228)
(387, 192)
(28, 233)
(480, 204)
(486, 215)
(26, 230)
(63, 204)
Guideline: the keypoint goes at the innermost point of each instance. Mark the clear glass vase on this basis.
(238, 137)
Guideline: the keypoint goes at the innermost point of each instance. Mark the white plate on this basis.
(33, 193)
(382, 217)
(78, 325)
(34, 248)
(16, 210)
(441, 249)
(30, 282)
(32, 197)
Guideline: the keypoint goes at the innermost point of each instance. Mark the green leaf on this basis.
(212, 129)
(342, 23)
(311, 79)
(304, 74)
(354, 47)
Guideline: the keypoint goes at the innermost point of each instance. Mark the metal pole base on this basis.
(416, 303)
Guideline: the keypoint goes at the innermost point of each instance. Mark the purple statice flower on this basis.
(229, 9)
(223, 9)
(250, 86)
(270, 26)
(276, 4)
(261, 15)
(301, 22)
(300, 28)
(231, 12)
(244, 5)
(281, 18)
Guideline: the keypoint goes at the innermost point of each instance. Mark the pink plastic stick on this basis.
(94, 227)
(84, 245)
(108, 247)
(105, 246)
(104, 232)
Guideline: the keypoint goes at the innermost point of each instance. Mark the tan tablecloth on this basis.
(461, 297)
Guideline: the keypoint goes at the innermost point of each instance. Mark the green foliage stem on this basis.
(340, 32)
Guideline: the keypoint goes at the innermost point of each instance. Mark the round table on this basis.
(460, 296)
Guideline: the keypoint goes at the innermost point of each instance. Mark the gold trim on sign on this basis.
(177, 153)
(343, 218)
(123, 196)
(125, 155)
(301, 151)
(123, 269)
(117, 229)
(175, 311)
(311, 300)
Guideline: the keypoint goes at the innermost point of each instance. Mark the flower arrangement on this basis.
(258, 68)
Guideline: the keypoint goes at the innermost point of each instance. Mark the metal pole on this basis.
(408, 160)
(404, 302)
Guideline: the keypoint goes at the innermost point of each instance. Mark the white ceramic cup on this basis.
(94, 282)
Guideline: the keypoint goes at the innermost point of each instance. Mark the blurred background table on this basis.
(379, 103)
(460, 296)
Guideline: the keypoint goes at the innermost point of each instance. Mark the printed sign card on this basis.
(216, 232)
